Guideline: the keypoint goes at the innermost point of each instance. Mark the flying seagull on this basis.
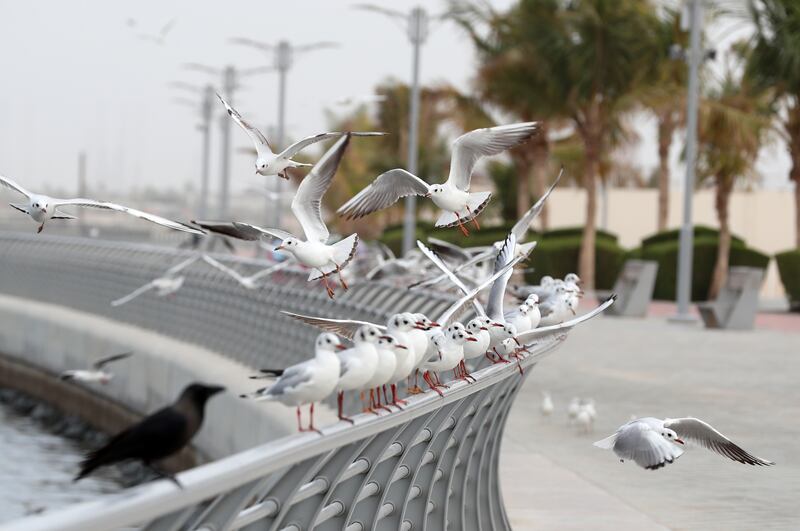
(269, 163)
(251, 282)
(459, 204)
(157, 436)
(43, 208)
(167, 284)
(654, 443)
(97, 372)
(314, 252)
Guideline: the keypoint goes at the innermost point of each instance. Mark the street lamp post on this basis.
(283, 59)
(684, 284)
(228, 87)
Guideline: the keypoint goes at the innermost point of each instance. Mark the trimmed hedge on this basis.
(558, 256)
(789, 268)
(700, 231)
(704, 259)
(577, 232)
(393, 236)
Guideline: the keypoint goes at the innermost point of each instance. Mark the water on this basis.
(36, 464)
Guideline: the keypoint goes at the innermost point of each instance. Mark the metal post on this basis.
(207, 112)
(283, 61)
(417, 32)
(81, 190)
(684, 285)
(229, 86)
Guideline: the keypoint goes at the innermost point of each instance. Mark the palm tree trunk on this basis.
(541, 155)
(666, 127)
(587, 252)
(723, 195)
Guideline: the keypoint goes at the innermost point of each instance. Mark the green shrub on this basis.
(577, 232)
(393, 236)
(700, 231)
(789, 268)
(704, 259)
(558, 256)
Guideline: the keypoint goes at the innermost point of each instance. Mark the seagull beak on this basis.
(341, 347)
(428, 195)
(402, 347)
(679, 441)
(434, 323)
(497, 325)
(385, 337)
(472, 339)
(280, 248)
(484, 328)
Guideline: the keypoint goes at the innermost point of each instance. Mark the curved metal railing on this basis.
(433, 465)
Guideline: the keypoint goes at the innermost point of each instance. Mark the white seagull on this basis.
(459, 204)
(306, 382)
(653, 443)
(314, 252)
(359, 364)
(167, 284)
(96, 374)
(384, 371)
(449, 353)
(43, 208)
(269, 163)
(547, 406)
(251, 282)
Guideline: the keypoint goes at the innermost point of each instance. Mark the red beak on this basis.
(341, 347)
(679, 440)
(472, 339)
(484, 328)
(434, 323)
(497, 325)
(402, 347)
(279, 248)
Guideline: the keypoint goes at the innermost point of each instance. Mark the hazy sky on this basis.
(76, 75)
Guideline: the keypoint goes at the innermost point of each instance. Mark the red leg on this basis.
(371, 408)
(426, 377)
(461, 226)
(378, 403)
(311, 422)
(299, 425)
(395, 401)
(474, 219)
(339, 272)
(327, 285)
(340, 400)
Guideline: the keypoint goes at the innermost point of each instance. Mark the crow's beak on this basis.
(679, 441)
(214, 389)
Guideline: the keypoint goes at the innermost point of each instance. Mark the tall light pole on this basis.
(283, 54)
(684, 284)
(417, 25)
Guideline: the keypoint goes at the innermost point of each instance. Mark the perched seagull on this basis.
(96, 373)
(534, 313)
(43, 208)
(314, 252)
(404, 365)
(519, 230)
(652, 443)
(167, 284)
(387, 363)
(157, 436)
(449, 347)
(543, 290)
(269, 163)
(454, 197)
(547, 404)
(359, 364)
(479, 328)
(306, 382)
(251, 282)
(573, 409)
(558, 307)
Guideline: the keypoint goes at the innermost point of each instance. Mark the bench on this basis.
(634, 289)
(736, 304)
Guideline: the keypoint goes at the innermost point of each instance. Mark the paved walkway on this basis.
(745, 383)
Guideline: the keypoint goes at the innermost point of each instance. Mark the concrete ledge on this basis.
(54, 338)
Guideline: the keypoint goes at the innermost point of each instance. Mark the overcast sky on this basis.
(77, 76)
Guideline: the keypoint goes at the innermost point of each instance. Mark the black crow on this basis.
(157, 436)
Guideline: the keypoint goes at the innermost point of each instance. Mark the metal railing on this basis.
(433, 465)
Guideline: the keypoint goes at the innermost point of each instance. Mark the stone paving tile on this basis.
(747, 384)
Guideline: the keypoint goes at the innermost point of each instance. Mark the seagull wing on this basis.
(638, 441)
(91, 203)
(307, 202)
(566, 325)
(385, 190)
(494, 306)
(433, 257)
(97, 365)
(132, 295)
(242, 231)
(521, 227)
(453, 312)
(268, 271)
(182, 265)
(222, 267)
(10, 183)
(470, 147)
(705, 435)
(259, 140)
(300, 145)
(344, 327)
(450, 249)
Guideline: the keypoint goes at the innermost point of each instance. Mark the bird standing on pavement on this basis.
(157, 436)
(653, 443)
(547, 404)
(96, 373)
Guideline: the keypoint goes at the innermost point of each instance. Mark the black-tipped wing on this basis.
(99, 364)
(702, 433)
(259, 140)
(521, 227)
(385, 190)
(344, 327)
(566, 325)
(91, 203)
(242, 231)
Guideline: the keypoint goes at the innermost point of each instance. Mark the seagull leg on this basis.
(415, 389)
(371, 408)
(327, 285)
(340, 402)
(299, 424)
(378, 403)
(461, 226)
(41, 228)
(311, 422)
(364, 409)
(396, 401)
(341, 280)
(474, 219)
(427, 377)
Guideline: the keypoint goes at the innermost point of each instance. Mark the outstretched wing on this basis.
(300, 145)
(97, 365)
(521, 227)
(91, 203)
(530, 335)
(222, 267)
(242, 231)
(433, 257)
(494, 306)
(307, 202)
(259, 140)
(383, 192)
(470, 147)
(182, 265)
(13, 185)
(132, 295)
(702, 433)
(344, 327)
(272, 269)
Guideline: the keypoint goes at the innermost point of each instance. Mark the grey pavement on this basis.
(747, 384)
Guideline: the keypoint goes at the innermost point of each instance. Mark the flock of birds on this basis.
(372, 359)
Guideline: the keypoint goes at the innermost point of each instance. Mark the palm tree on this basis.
(774, 63)
(580, 60)
(734, 123)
